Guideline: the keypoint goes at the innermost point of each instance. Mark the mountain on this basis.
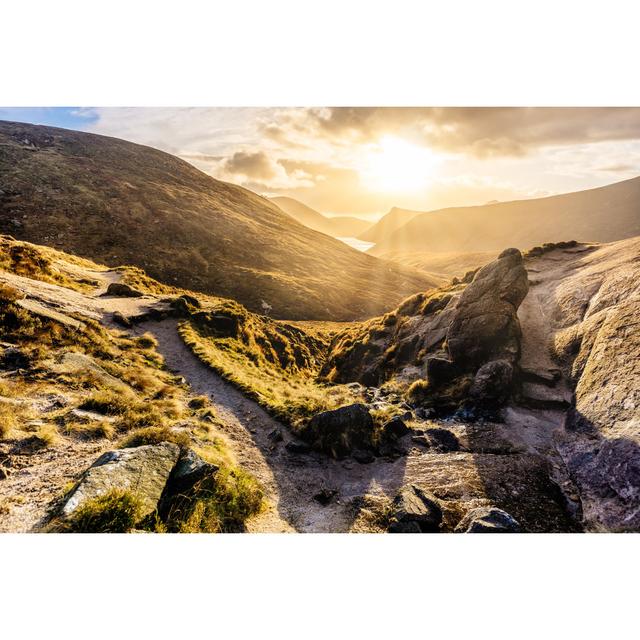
(604, 214)
(389, 223)
(338, 227)
(118, 202)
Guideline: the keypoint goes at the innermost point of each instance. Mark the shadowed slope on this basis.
(119, 202)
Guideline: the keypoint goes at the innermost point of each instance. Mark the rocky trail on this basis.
(517, 460)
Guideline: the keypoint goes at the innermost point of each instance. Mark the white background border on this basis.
(274, 53)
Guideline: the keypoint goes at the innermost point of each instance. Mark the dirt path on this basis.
(290, 480)
(40, 477)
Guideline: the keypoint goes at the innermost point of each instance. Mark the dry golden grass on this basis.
(292, 395)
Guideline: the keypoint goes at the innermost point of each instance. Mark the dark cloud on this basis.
(256, 166)
(482, 131)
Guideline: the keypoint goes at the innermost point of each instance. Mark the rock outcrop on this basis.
(143, 470)
(485, 324)
(462, 340)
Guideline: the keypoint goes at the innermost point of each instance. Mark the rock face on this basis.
(414, 510)
(598, 343)
(488, 520)
(445, 337)
(144, 471)
(341, 431)
(485, 325)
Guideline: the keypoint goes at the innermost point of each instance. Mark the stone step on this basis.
(541, 396)
(548, 377)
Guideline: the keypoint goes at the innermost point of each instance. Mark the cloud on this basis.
(256, 165)
(318, 154)
(476, 131)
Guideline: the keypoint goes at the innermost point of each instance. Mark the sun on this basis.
(394, 164)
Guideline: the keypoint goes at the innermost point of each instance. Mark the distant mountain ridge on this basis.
(393, 220)
(338, 226)
(603, 214)
(117, 202)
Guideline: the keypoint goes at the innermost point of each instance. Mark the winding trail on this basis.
(290, 480)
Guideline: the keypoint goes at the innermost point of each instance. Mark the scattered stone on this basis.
(395, 428)
(84, 417)
(414, 510)
(325, 496)
(275, 435)
(4, 473)
(442, 440)
(440, 371)
(119, 318)
(122, 290)
(295, 446)
(15, 358)
(341, 431)
(421, 440)
(190, 470)
(362, 456)
(488, 520)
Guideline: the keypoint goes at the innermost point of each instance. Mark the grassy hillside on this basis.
(602, 215)
(117, 202)
(338, 227)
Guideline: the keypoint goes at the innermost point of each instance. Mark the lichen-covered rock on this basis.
(485, 324)
(341, 431)
(414, 510)
(488, 520)
(144, 471)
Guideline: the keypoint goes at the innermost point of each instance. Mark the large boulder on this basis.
(492, 383)
(485, 324)
(488, 520)
(340, 431)
(144, 471)
(414, 510)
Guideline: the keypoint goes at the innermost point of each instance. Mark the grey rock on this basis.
(295, 446)
(485, 324)
(142, 470)
(414, 507)
(340, 431)
(488, 520)
(492, 382)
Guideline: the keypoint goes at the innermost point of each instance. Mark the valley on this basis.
(180, 354)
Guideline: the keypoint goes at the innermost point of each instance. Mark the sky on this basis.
(365, 160)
